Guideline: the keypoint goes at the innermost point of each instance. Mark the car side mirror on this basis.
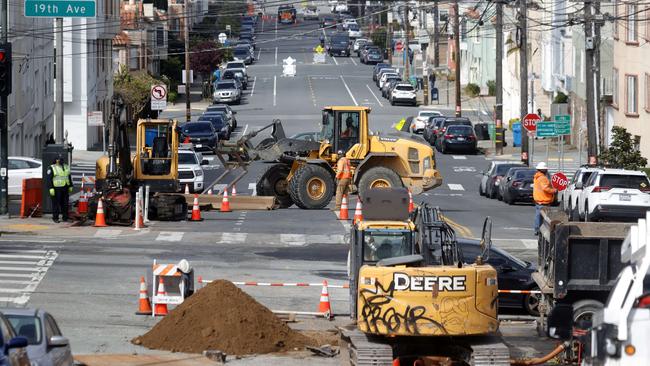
(205, 162)
(509, 179)
(58, 341)
(560, 322)
(579, 185)
(16, 342)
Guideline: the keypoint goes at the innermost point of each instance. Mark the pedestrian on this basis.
(343, 177)
(60, 187)
(543, 193)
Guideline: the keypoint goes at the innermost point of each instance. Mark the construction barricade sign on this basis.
(169, 278)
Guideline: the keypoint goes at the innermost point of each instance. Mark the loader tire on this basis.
(168, 207)
(273, 182)
(378, 177)
(312, 187)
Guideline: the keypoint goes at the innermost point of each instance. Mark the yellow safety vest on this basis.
(400, 124)
(60, 175)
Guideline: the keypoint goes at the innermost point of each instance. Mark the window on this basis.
(615, 87)
(378, 245)
(631, 90)
(134, 58)
(27, 326)
(647, 92)
(632, 34)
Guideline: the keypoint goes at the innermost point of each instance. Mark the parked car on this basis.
(13, 348)
(390, 83)
(339, 45)
(22, 167)
(512, 274)
(365, 50)
(430, 132)
(492, 176)
(236, 64)
(449, 121)
(190, 170)
(235, 74)
(226, 109)
(245, 43)
(201, 134)
(373, 56)
(385, 76)
(420, 121)
(310, 13)
(378, 67)
(356, 46)
(458, 138)
(248, 37)
(308, 136)
(218, 120)
(46, 343)
(383, 71)
(614, 194)
(403, 93)
(243, 54)
(517, 186)
(226, 92)
(569, 197)
(348, 21)
(354, 31)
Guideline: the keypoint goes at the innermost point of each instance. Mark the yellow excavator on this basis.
(412, 299)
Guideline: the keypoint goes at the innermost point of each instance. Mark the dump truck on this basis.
(412, 299)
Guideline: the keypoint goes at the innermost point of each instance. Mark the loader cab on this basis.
(156, 157)
(345, 128)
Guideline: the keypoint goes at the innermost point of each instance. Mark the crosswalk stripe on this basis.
(227, 238)
(459, 157)
(455, 187)
(107, 233)
(19, 278)
(293, 239)
(170, 236)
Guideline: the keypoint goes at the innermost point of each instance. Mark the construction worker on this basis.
(60, 187)
(350, 130)
(543, 193)
(343, 177)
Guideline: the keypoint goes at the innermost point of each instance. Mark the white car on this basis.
(420, 122)
(403, 93)
(569, 197)
(614, 194)
(384, 77)
(358, 43)
(310, 13)
(348, 22)
(237, 65)
(354, 31)
(190, 170)
(22, 167)
(338, 8)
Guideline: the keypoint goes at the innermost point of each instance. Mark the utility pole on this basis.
(592, 70)
(523, 77)
(58, 106)
(406, 42)
(188, 108)
(457, 56)
(498, 111)
(4, 130)
(436, 35)
(389, 42)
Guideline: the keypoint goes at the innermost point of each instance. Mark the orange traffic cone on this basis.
(196, 212)
(161, 309)
(187, 189)
(358, 215)
(411, 206)
(144, 306)
(234, 192)
(225, 203)
(343, 214)
(324, 306)
(100, 219)
(82, 208)
(139, 224)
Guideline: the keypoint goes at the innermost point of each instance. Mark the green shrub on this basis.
(561, 98)
(472, 89)
(492, 87)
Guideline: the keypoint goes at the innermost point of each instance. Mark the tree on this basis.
(621, 153)
(378, 37)
(205, 57)
(135, 88)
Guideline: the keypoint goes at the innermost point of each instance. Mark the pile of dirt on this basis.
(222, 317)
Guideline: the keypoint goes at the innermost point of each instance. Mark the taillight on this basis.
(601, 189)
(516, 183)
(435, 131)
(448, 136)
(645, 190)
(471, 137)
(643, 302)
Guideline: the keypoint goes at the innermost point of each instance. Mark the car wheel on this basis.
(499, 196)
(443, 148)
(392, 102)
(587, 217)
(509, 200)
(573, 214)
(583, 312)
(531, 303)
(493, 193)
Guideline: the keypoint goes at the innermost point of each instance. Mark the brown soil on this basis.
(222, 317)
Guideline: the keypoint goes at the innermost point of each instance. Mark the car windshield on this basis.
(460, 130)
(525, 174)
(188, 158)
(340, 40)
(27, 326)
(216, 119)
(243, 52)
(235, 65)
(624, 181)
(502, 169)
(428, 114)
(197, 128)
(404, 87)
(378, 245)
(353, 27)
(228, 85)
(217, 109)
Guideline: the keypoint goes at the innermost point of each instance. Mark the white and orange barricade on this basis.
(171, 276)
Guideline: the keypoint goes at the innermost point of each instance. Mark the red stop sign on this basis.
(559, 181)
(398, 46)
(530, 122)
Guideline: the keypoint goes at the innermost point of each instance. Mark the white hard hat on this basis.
(184, 266)
(541, 166)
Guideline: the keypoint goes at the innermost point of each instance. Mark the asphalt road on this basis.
(89, 280)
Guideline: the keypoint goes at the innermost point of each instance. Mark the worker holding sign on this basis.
(543, 193)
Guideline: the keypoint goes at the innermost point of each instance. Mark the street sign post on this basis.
(559, 181)
(60, 8)
(546, 129)
(222, 38)
(158, 97)
(530, 122)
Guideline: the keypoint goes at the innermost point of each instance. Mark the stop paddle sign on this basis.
(399, 46)
(530, 122)
(559, 181)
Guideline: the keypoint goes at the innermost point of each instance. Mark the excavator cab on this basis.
(156, 157)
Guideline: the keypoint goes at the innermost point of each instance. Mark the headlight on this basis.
(427, 163)
(198, 172)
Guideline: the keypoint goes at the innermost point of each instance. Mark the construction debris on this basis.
(222, 317)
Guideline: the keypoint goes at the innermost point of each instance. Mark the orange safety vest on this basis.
(344, 172)
(543, 192)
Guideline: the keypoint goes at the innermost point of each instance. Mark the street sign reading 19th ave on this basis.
(60, 8)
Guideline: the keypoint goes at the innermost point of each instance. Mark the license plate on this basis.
(199, 145)
(461, 139)
(624, 197)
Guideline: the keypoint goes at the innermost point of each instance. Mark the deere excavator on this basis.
(155, 164)
(412, 299)
(303, 172)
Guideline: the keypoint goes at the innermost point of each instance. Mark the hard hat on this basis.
(541, 166)
(184, 266)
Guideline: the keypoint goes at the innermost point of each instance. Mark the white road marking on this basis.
(253, 187)
(349, 92)
(20, 256)
(107, 233)
(517, 228)
(27, 263)
(354, 62)
(259, 55)
(459, 157)
(253, 87)
(374, 95)
(170, 236)
(18, 290)
(297, 240)
(276, 55)
(529, 243)
(336, 62)
(470, 169)
(232, 238)
(274, 88)
(455, 187)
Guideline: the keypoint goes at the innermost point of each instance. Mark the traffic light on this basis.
(5, 69)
